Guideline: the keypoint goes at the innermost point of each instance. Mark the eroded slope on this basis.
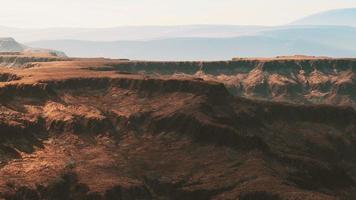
(295, 80)
(72, 133)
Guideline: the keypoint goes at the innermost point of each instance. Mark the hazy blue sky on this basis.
(106, 13)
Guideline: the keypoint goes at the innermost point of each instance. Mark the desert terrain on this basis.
(247, 129)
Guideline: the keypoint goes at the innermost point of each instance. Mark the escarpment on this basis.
(307, 81)
(88, 130)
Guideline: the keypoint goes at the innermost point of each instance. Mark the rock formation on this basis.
(92, 129)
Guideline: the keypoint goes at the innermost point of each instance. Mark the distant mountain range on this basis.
(341, 17)
(130, 32)
(195, 48)
(331, 33)
(10, 45)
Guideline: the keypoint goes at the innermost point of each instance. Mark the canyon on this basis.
(248, 129)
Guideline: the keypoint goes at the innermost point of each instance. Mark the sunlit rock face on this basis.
(297, 79)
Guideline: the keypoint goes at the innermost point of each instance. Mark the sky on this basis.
(110, 13)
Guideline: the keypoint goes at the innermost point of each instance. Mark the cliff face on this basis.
(306, 81)
(68, 132)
